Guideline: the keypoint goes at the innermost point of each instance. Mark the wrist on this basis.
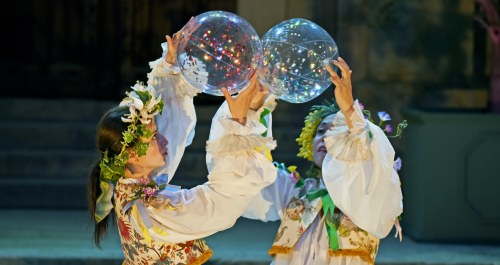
(347, 112)
(170, 59)
(240, 120)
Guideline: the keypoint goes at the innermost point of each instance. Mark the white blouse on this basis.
(238, 172)
(359, 176)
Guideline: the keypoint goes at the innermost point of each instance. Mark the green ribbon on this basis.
(103, 205)
(263, 120)
(328, 211)
(300, 183)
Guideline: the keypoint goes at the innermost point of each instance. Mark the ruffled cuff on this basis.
(347, 144)
(240, 138)
(269, 104)
(166, 78)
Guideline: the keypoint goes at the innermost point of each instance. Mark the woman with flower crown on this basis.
(141, 143)
(351, 197)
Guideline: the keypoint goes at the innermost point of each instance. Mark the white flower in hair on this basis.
(139, 110)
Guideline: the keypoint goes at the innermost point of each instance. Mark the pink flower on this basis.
(144, 181)
(293, 177)
(361, 106)
(148, 191)
(388, 128)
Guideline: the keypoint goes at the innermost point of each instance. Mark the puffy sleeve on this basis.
(238, 172)
(270, 204)
(178, 119)
(358, 173)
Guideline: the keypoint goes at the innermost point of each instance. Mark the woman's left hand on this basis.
(343, 86)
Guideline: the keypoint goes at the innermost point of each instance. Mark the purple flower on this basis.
(388, 128)
(361, 106)
(398, 164)
(384, 116)
(294, 177)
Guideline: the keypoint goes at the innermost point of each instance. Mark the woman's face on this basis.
(319, 148)
(157, 151)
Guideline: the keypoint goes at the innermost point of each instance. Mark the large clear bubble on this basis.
(219, 49)
(295, 53)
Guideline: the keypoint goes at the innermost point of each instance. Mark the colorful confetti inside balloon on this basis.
(295, 54)
(218, 49)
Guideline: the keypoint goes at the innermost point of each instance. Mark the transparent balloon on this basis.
(295, 53)
(219, 49)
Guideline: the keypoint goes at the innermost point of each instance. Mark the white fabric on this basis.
(216, 205)
(222, 120)
(365, 188)
(178, 119)
(237, 174)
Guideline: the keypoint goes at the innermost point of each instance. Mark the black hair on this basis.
(108, 138)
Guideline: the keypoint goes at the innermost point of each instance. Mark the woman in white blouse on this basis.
(141, 143)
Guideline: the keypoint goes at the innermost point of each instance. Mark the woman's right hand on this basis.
(240, 105)
(172, 43)
(171, 56)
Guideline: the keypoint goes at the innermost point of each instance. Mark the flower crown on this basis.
(311, 122)
(143, 104)
(319, 112)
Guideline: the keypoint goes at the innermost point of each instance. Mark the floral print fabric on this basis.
(139, 248)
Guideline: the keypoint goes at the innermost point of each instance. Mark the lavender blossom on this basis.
(388, 128)
(398, 164)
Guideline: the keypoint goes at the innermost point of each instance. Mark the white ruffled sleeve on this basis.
(178, 119)
(254, 117)
(358, 173)
(267, 204)
(238, 173)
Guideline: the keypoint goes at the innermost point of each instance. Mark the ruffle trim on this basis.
(166, 77)
(203, 257)
(274, 250)
(349, 144)
(232, 127)
(352, 253)
(231, 143)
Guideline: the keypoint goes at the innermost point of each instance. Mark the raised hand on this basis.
(171, 56)
(240, 105)
(260, 96)
(343, 86)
